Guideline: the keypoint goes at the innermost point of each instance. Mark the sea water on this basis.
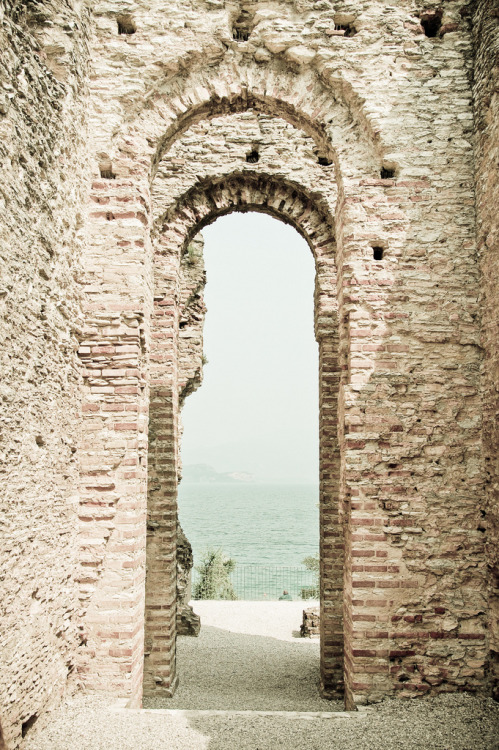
(269, 525)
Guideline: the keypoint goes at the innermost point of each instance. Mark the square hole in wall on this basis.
(431, 21)
(253, 156)
(345, 22)
(387, 173)
(126, 25)
(241, 34)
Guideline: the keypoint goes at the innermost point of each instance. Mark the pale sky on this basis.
(257, 409)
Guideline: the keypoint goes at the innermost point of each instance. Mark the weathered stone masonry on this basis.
(128, 126)
(486, 94)
(43, 59)
(250, 191)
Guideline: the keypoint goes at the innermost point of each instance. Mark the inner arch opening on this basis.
(170, 383)
(257, 409)
(250, 466)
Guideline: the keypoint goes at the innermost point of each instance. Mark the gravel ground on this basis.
(248, 660)
(280, 620)
(448, 722)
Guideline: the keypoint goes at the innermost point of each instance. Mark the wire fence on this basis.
(263, 582)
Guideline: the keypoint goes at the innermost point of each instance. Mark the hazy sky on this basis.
(257, 409)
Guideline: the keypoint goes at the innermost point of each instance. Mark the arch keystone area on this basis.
(325, 107)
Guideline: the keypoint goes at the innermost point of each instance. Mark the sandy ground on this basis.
(279, 620)
(248, 660)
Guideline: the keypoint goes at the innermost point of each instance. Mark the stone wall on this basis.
(42, 139)
(384, 96)
(352, 122)
(486, 92)
(310, 627)
(191, 321)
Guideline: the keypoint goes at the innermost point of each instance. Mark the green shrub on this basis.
(312, 592)
(214, 576)
(309, 592)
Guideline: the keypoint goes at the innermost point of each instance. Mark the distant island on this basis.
(204, 474)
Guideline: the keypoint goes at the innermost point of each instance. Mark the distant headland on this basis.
(203, 473)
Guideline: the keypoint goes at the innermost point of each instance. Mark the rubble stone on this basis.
(310, 627)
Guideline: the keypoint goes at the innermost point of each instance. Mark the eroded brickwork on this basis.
(352, 121)
(396, 128)
(253, 189)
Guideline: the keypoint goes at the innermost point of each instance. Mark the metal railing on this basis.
(262, 583)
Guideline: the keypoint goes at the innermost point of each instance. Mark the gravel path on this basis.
(248, 660)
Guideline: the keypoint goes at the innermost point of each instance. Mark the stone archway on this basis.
(121, 218)
(198, 207)
(393, 347)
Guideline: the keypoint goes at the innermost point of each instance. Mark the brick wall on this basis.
(205, 202)
(388, 107)
(360, 115)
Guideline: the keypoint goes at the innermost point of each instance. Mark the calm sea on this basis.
(253, 523)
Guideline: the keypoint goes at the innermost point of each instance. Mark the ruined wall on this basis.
(358, 109)
(384, 94)
(486, 93)
(248, 142)
(191, 322)
(43, 58)
(252, 190)
(243, 145)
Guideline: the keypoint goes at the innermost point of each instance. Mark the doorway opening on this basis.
(249, 495)
(172, 378)
(252, 428)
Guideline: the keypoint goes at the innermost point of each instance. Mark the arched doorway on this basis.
(198, 207)
(147, 229)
